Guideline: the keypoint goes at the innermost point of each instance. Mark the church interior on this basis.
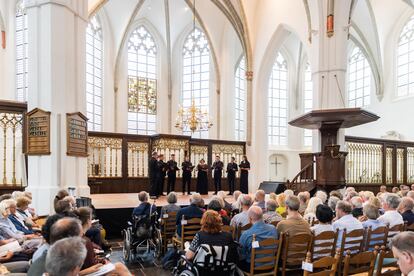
(281, 121)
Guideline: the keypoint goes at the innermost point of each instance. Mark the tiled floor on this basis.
(137, 268)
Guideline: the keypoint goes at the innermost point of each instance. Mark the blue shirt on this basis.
(262, 231)
(189, 212)
(144, 209)
(374, 224)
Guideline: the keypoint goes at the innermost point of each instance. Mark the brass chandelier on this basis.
(192, 119)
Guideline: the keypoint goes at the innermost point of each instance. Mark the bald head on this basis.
(65, 228)
(255, 214)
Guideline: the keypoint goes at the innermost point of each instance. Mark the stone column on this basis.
(56, 84)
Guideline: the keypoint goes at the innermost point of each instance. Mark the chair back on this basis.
(352, 241)
(240, 229)
(264, 257)
(294, 251)
(392, 231)
(323, 244)
(274, 223)
(325, 266)
(228, 229)
(168, 225)
(391, 268)
(410, 227)
(377, 237)
(359, 263)
(189, 228)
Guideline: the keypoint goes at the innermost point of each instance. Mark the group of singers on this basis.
(158, 169)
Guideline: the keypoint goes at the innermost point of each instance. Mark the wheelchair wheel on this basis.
(158, 243)
(126, 247)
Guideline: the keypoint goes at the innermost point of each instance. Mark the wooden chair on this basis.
(325, 266)
(410, 227)
(240, 229)
(377, 237)
(168, 229)
(274, 223)
(391, 268)
(188, 231)
(323, 245)
(392, 231)
(352, 242)
(294, 252)
(264, 259)
(359, 263)
(229, 229)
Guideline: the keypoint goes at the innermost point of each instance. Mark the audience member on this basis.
(304, 199)
(403, 249)
(395, 190)
(335, 193)
(325, 215)
(260, 199)
(271, 215)
(273, 196)
(281, 205)
(171, 206)
(22, 204)
(260, 229)
(345, 220)
(215, 205)
(192, 211)
(227, 206)
(371, 214)
(242, 218)
(383, 189)
(294, 223)
(210, 233)
(64, 208)
(311, 209)
(288, 192)
(391, 217)
(322, 195)
(356, 202)
(406, 210)
(332, 201)
(144, 208)
(61, 194)
(46, 236)
(17, 222)
(236, 196)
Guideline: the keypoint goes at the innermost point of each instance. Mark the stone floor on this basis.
(137, 268)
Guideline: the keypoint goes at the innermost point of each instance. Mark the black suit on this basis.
(172, 175)
(232, 168)
(161, 176)
(153, 175)
(187, 168)
(218, 168)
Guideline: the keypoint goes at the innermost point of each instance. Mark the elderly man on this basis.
(260, 199)
(144, 208)
(271, 215)
(406, 210)
(260, 229)
(383, 189)
(403, 249)
(242, 218)
(356, 202)
(345, 220)
(192, 211)
(391, 216)
(294, 223)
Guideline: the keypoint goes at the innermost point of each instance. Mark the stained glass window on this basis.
(240, 100)
(405, 60)
(142, 82)
(359, 79)
(307, 101)
(94, 53)
(21, 53)
(196, 75)
(278, 102)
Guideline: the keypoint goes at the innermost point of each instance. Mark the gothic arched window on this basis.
(196, 75)
(94, 56)
(405, 60)
(240, 100)
(142, 82)
(21, 53)
(359, 79)
(278, 102)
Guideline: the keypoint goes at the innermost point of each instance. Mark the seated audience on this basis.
(61, 194)
(271, 215)
(395, 190)
(227, 206)
(356, 202)
(192, 211)
(46, 236)
(288, 192)
(322, 195)
(144, 208)
(304, 199)
(273, 196)
(311, 209)
(259, 199)
(383, 189)
(294, 223)
(18, 223)
(281, 209)
(370, 217)
(406, 210)
(215, 205)
(345, 220)
(403, 249)
(324, 215)
(22, 204)
(375, 201)
(260, 229)
(332, 201)
(234, 205)
(171, 206)
(391, 217)
(335, 193)
(242, 218)
(210, 234)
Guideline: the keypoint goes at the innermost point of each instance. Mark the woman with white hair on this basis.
(310, 212)
(171, 206)
(322, 195)
(236, 196)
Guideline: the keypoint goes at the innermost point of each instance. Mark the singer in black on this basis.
(187, 168)
(244, 175)
(171, 173)
(162, 169)
(153, 174)
(202, 178)
(217, 168)
(232, 168)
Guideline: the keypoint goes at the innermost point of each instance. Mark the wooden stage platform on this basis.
(117, 201)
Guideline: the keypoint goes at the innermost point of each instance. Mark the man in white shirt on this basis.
(391, 216)
(345, 220)
(403, 248)
(242, 218)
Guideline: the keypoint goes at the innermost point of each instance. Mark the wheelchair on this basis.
(142, 239)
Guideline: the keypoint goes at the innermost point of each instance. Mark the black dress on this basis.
(244, 177)
(152, 175)
(202, 180)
